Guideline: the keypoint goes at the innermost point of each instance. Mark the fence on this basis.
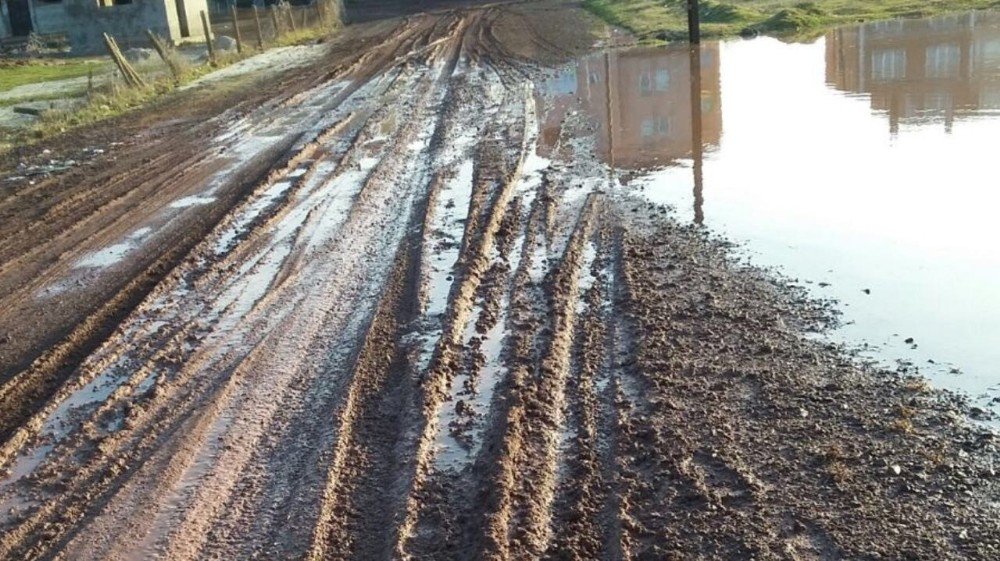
(275, 20)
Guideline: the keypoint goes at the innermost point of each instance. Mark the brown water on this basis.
(865, 164)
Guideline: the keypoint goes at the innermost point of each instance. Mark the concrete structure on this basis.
(920, 70)
(640, 102)
(649, 108)
(84, 21)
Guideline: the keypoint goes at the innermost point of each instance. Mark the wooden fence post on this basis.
(208, 38)
(129, 74)
(274, 20)
(338, 12)
(260, 33)
(161, 50)
(236, 30)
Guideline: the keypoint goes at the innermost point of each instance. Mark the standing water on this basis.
(864, 164)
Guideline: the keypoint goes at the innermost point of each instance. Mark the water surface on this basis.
(864, 164)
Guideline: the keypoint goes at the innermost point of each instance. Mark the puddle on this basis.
(587, 277)
(447, 229)
(113, 253)
(861, 163)
(193, 200)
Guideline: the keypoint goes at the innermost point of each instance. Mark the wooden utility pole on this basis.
(208, 37)
(236, 30)
(694, 23)
(260, 32)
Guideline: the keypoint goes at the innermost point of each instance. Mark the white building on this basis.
(83, 21)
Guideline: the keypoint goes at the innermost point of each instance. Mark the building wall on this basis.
(640, 103)
(4, 20)
(192, 10)
(50, 17)
(85, 21)
(920, 70)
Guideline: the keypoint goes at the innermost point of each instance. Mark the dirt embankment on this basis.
(360, 317)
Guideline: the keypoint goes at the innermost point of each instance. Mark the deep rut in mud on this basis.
(408, 335)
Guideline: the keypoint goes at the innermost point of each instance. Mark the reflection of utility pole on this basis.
(697, 151)
(895, 108)
(611, 120)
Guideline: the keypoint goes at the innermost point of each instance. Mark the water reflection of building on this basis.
(643, 114)
(916, 70)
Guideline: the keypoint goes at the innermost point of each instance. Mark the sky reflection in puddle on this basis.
(863, 164)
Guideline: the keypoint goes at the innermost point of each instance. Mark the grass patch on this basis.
(666, 20)
(7, 102)
(301, 37)
(22, 72)
(112, 100)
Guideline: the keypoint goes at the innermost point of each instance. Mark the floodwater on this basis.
(864, 165)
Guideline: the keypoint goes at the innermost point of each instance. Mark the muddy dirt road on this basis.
(367, 312)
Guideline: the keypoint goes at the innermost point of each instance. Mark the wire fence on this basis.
(259, 26)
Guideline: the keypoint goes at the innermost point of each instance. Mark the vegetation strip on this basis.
(658, 20)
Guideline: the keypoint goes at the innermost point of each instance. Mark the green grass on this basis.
(301, 37)
(666, 20)
(7, 102)
(109, 101)
(34, 71)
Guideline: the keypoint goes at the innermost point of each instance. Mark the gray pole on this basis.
(208, 38)
(260, 31)
(236, 29)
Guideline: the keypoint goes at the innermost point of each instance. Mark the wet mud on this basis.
(399, 309)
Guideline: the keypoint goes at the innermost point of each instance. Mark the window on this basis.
(662, 80)
(942, 61)
(645, 84)
(654, 81)
(888, 64)
(654, 127)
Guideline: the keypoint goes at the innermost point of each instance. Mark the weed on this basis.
(917, 385)
(902, 426)
(32, 71)
(835, 458)
(839, 472)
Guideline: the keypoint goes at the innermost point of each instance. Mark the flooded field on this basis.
(863, 165)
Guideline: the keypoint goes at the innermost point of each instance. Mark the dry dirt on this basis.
(352, 313)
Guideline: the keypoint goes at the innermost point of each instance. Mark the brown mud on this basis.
(357, 314)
